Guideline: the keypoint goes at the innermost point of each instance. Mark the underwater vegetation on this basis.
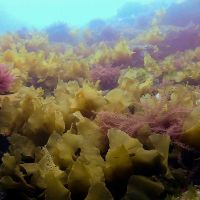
(101, 113)
(6, 79)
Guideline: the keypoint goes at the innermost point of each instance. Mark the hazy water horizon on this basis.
(38, 14)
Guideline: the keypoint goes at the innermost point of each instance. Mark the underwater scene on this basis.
(100, 100)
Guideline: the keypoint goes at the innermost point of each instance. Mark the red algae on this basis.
(169, 122)
(108, 76)
(6, 79)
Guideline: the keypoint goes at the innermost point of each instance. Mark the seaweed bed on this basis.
(96, 119)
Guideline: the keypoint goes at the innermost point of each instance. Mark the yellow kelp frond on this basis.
(98, 192)
(135, 81)
(127, 155)
(7, 116)
(88, 99)
(191, 129)
(118, 100)
(90, 131)
(120, 54)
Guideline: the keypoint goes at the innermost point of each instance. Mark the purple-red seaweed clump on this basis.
(6, 79)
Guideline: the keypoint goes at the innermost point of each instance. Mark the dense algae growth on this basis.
(106, 112)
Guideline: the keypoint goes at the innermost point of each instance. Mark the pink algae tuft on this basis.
(6, 79)
(163, 122)
(108, 76)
